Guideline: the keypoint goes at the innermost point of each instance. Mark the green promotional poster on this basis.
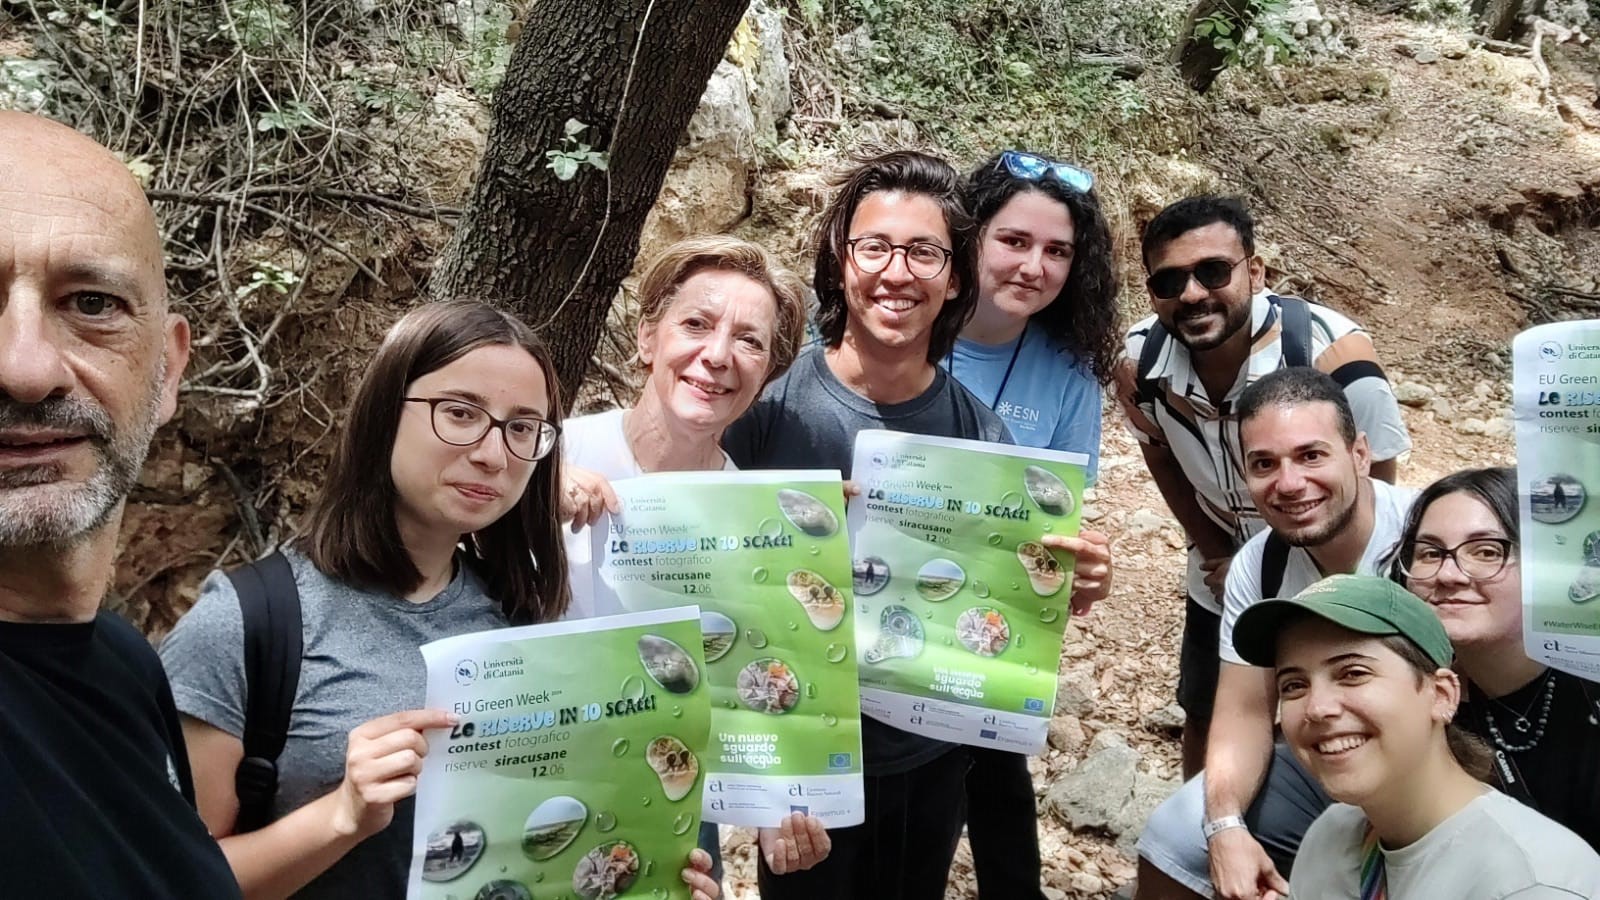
(960, 606)
(766, 557)
(576, 765)
(1556, 400)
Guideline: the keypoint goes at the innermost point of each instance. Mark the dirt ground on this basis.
(1436, 203)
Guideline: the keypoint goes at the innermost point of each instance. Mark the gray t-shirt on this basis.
(361, 661)
(808, 419)
(1494, 848)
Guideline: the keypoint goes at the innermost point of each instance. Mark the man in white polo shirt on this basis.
(1233, 830)
(1216, 329)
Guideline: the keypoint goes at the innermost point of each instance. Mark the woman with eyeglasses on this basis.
(1459, 553)
(1369, 704)
(718, 321)
(1042, 342)
(443, 480)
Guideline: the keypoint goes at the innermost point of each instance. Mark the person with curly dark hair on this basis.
(1044, 339)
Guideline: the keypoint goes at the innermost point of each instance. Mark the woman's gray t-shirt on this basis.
(360, 662)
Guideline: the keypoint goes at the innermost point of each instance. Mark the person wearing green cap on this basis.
(1366, 694)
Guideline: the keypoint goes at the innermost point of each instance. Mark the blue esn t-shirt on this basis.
(1050, 400)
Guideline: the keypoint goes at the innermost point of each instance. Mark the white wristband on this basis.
(1213, 827)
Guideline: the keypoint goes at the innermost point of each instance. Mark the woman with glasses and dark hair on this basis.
(443, 481)
(1044, 339)
(1459, 553)
(718, 321)
(1370, 705)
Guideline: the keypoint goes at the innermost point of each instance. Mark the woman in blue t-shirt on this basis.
(1041, 344)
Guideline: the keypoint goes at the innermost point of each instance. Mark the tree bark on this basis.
(1500, 19)
(1198, 59)
(525, 238)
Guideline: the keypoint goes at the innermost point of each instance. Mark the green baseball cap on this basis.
(1365, 604)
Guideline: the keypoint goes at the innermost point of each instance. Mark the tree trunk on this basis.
(1500, 19)
(1198, 59)
(525, 237)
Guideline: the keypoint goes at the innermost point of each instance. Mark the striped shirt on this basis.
(1204, 436)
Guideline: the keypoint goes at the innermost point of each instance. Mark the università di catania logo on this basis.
(466, 672)
(1550, 351)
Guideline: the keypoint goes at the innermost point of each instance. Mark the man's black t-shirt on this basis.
(95, 794)
(1560, 775)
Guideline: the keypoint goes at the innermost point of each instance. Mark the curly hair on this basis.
(902, 172)
(1085, 316)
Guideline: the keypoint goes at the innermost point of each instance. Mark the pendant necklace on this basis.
(1520, 723)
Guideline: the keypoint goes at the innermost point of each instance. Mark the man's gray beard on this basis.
(37, 506)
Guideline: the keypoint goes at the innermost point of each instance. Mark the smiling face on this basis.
(1025, 256)
(1204, 318)
(442, 489)
(891, 312)
(1357, 715)
(90, 359)
(1475, 613)
(1303, 478)
(710, 353)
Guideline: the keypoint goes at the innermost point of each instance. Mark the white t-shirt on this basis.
(1493, 849)
(596, 443)
(1243, 587)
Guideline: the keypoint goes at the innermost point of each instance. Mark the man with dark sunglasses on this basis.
(1215, 331)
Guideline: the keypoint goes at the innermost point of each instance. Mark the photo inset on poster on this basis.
(940, 579)
(606, 871)
(808, 514)
(1556, 498)
(675, 764)
(1591, 549)
(718, 632)
(767, 685)
(899, 636)
(553, 826)
(1045, 574)
(668, 664)
(984, 631)
(502, 889)
(823, 603)
(869, 576)
(451, 851)
(1586, 586)
(1048, 491)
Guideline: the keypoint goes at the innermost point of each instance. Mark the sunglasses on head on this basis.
(1169, 283)
(1032, 167)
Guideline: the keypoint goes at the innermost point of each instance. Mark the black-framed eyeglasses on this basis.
(1033, 167)
(924, 259)
(1169, 283)
(1480, 559)
(462, 424)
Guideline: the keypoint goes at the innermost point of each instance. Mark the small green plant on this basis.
(1252, 45)
(574, 153)
(291, 115)
(267, 277)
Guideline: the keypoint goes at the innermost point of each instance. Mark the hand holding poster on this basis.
(1557, 406)
(766, 558)
(960, 608)
(573, 769)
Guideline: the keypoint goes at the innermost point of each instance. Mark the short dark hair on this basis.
(1084, 316)
(353, 535)
(1297, 386)
(1190, 213)
(1495, 487)
(903, 172)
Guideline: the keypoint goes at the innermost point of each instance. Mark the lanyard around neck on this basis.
(950, 366)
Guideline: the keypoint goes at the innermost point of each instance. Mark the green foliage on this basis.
(574, 153)
(1437, 10)
(257, 26)
(267, 277)
(1252, 46)
(978, 74)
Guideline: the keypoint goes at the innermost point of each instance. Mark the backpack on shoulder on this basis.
(269, 602)
(1295, 339)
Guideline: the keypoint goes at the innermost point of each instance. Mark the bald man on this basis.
(95, 795)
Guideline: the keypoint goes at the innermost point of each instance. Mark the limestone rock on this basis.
(1168, 719)
(1412, 393)
(1107, 792)
(1067, 734)
(1073, 694)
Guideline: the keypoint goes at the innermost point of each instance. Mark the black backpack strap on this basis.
(270, 605)
(1145, 387)
(1295, 335)
(1274, 560)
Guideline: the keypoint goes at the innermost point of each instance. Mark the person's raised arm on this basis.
(1214, 544)
(382, 761)
(1386, 469)
(1238, 751)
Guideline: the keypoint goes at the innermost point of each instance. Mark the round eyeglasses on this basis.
(924, 260)
(462, 424)
(1479, 559)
